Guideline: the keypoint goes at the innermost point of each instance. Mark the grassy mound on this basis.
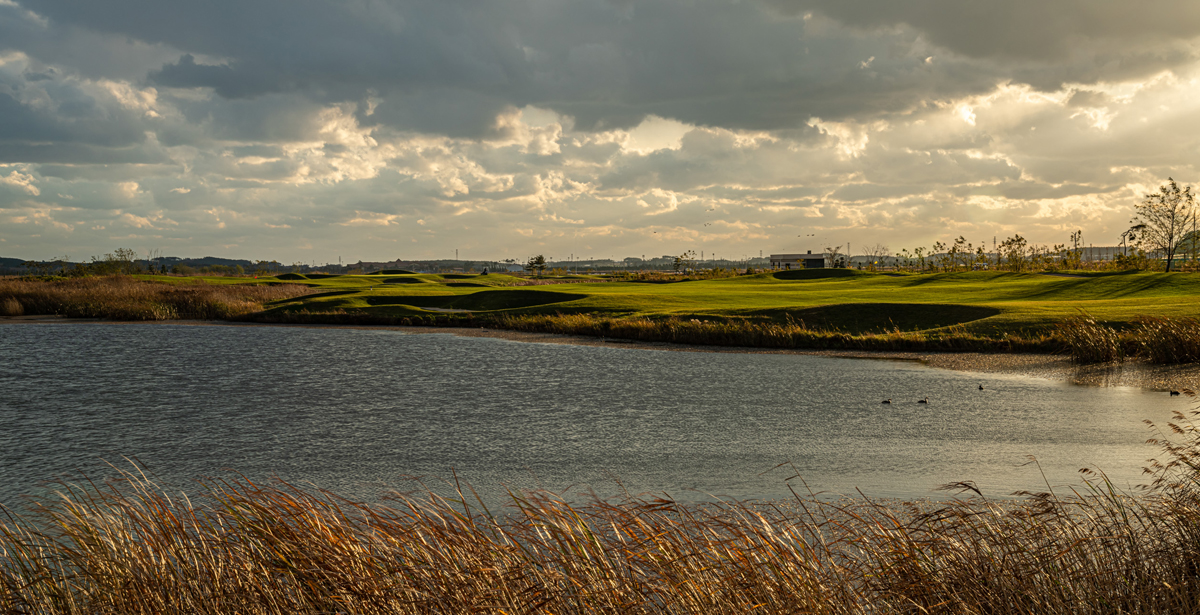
(393, 272)
(405, 281)
(863, 317)
(482, 301)
(291, 276)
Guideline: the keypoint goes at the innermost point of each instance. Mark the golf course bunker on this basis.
(817, 274)
(873, 317)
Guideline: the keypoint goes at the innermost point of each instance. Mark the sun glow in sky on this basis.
(383, 129)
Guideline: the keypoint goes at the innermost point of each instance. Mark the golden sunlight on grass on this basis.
(119, 297)
(242, 547)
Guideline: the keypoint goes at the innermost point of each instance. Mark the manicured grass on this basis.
(791, 309)
(986, 303)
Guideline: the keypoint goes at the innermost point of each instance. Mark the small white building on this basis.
(808, 260)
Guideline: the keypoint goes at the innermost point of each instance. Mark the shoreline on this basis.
(1132, 373)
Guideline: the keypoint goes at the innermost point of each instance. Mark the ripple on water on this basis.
(356, 411)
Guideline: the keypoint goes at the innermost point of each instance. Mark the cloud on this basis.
(1020, 29)
(399, 128)
(22, 181)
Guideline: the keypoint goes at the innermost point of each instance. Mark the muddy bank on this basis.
(1132, 373)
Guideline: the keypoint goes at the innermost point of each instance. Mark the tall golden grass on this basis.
(1168, 340)
(768, 334)
(243, 547)
(1091, 341)
(119, 297)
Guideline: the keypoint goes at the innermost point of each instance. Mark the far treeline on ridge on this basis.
(1141, 301)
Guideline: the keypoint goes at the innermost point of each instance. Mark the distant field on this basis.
(987, 303)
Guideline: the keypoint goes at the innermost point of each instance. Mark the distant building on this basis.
(807, 260)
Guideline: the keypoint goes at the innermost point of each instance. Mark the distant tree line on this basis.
(1163, 236)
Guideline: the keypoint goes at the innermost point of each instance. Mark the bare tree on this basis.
(832, 252)
(1166, 214)
(876, 254)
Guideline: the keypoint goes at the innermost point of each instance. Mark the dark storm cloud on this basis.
(44, 118)
(1025, 29)
(448, 67)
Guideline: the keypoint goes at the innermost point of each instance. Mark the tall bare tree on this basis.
(877, 255)
(1166, 216)
(832, 253)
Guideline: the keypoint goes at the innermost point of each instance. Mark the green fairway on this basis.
(852, 301)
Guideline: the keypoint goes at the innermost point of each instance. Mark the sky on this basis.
(374, 130)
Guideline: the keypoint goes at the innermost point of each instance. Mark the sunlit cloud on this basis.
(646, 128)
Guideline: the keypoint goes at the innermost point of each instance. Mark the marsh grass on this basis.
(120, 297)
(1168, 340)
(127, 546)
(9, 306)
(1091, 341)
(771, 334)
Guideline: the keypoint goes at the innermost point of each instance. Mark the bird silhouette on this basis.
(981, 387)
(923, 401)
(886, 401)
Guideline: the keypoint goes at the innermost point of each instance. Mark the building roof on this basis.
(798, 256)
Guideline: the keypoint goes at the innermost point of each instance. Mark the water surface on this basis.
(356, 411)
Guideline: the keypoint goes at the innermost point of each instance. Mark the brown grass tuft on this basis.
(1168, 340)
(1091, 341)
(9, 306)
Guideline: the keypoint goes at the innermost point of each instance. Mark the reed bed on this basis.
(127, 546)
(1168, 340)
(119, 297)
(1091, 341)
(769, 334)
(552, 282)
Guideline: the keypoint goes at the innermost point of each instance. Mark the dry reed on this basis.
(124, 298)
(130, 547)
(1091, 341)
(9, 306)
(769, 334)
(1168, 340)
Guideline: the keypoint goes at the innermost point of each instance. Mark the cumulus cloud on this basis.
(410, 127)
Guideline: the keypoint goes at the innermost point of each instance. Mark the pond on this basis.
(358, 411)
